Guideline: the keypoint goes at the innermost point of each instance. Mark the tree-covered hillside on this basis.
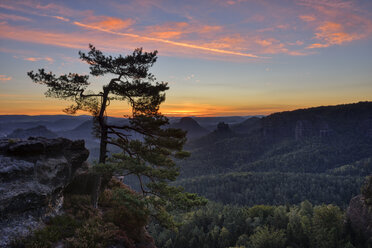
(261, 226)
(321, 154)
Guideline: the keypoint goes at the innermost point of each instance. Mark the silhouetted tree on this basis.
(131, 82)
(149, 157)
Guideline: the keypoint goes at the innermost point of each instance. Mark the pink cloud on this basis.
(42, 37)
(62, 18)
(337, 22)
(181, 29)
(335, 4)
(14, 17)
(110, 23)
(307, 18)
(5, 78)
(170, 42)
(34, 59)
(331, 33)
(264, 43)
(198, 35)
(48, 10)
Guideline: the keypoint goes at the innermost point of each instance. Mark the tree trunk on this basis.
(103, 143)
(102, 123)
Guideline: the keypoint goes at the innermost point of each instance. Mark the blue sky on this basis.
(235, 57)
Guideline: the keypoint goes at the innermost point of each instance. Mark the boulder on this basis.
(360, 217)
(33, 174)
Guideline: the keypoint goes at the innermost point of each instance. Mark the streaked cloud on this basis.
(228, 35)
(5, 78)
(61, 18)
(170, 42)
(43, 37)
(34, 59)
(325, 23)
(331, 33)
(109, 23)
(336, 22)
(177, 29)
(12, 17)
(307, 18)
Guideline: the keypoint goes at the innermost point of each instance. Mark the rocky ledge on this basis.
(360, 217)
(33, 174)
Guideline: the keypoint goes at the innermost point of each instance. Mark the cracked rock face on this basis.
(33, 174)
(360, 217)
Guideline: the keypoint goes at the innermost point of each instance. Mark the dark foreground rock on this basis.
(360, 217)
(33, 174)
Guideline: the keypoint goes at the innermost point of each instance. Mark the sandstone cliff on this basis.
(360, 217)
(45, 199)
(33, 174)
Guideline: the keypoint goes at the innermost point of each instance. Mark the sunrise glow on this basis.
(220, 58)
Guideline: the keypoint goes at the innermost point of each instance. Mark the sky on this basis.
(220, 57)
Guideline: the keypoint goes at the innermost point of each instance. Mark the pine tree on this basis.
(151, 156)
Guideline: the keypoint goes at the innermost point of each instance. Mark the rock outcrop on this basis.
(194, 130)
(360, 217)
(33, 174)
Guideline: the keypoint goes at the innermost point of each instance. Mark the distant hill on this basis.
(8, 123)
(277, 159)
(194, 130)
(210, 123)
(327, 140)
(38, 131)
(82, 131)
(247, 126)
(222, 131)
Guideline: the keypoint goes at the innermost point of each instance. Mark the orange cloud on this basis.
(109, 40)
(62, 18)
(111, 23)
(337, 22)
(264, 43)
(177, 29)
(33, 59)
(200, 109)
(5, 78)
(167, 34)
(198, 38)
(318, 45)
(208, 28)
(233, 2)
(170, 42)
(272, 46)
(231, 42)
(52, 10)
(307, 18)
(73, 40)
(193, 109)
(332, 33)
(299, 53)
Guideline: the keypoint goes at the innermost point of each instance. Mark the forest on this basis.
(261, 226)
(285, 180)
(282, 180)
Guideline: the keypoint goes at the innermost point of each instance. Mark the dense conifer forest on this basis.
(284, 180)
